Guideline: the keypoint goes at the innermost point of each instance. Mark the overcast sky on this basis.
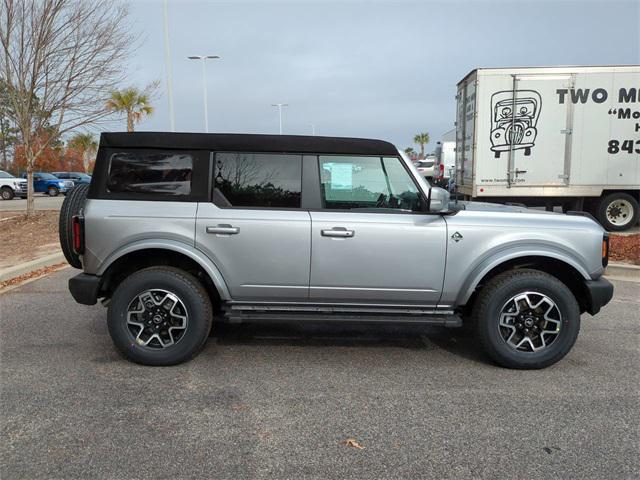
(353, 68)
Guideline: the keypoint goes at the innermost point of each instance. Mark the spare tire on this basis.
(72, 205)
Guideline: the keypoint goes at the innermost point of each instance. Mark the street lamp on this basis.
(204, 84)
(280, 105)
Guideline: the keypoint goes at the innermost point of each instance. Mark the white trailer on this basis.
(552, 136)
(445, 152)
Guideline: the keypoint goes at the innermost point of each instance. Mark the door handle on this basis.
(224, 229)
(339, 232)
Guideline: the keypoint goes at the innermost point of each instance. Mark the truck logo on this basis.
(514, 115)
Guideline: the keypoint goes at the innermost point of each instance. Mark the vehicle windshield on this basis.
(5, 175)
(47, 176)
(81, 175)
(425, 164)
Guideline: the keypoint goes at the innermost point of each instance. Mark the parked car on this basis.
(177, 231)
(49, 184)
(11, 186)
(445, 165)
(426, 167)
(77, 177)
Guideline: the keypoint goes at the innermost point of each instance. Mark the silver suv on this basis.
(179, 231)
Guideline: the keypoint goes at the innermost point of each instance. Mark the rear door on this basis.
(255, 230)
(371, 243)
(537, 129)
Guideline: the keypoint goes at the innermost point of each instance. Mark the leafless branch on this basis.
(61, 59)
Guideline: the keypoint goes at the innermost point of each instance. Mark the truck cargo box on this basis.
(550, 135)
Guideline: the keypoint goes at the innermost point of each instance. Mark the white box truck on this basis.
(552, 136)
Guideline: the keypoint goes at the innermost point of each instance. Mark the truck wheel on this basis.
(71, 206)
(618, 211)
(6, 193)
(53, 191)
(160, 316)
(526, 319)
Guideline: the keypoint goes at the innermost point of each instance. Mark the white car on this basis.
(11, 186)
(426, 167)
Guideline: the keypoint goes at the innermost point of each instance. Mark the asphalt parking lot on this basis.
(42, 202)
(278, 401)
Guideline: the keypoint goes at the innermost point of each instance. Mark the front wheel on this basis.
(6, 193)
(160, 316)
(526, 319)
(53, 191)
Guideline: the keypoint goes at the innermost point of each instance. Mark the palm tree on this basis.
(410, 152)
(421, 139)
(86, 145)
(135, 103)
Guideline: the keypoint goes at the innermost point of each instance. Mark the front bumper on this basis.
(598, 293)
(84, 288)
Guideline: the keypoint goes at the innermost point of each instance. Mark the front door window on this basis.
(349, 183)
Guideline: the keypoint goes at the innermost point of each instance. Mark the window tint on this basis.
(258, 180)
(367, 182)
(150, 173)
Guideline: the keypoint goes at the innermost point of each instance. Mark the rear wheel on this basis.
(526, 319)
(160, 316)
(618, 211)
(6, 193)
(72, 205)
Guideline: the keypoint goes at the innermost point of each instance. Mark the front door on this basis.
(371, 242)
(255, 230)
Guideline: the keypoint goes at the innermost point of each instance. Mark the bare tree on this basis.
(61, 60)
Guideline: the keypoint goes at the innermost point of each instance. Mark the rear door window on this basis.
(257, 180)
(150, 173)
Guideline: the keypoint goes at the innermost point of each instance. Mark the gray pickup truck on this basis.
(179, 231)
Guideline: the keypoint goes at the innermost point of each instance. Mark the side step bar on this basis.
(240, 316)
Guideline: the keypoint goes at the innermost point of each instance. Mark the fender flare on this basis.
(495, 259)
(175, 246)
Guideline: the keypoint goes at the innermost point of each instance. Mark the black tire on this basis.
(53, 191)
(187, 289)
(630, 219)
(72, 205)
(498, 292)
(7, 193)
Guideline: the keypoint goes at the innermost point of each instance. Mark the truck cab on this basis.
(50, 184)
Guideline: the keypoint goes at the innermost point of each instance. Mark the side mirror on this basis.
(439, 199)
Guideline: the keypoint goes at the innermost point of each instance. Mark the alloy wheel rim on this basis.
(619, 212)
(530, 322)
(157, 318)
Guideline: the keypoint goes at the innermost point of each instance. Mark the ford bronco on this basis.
(178, 231)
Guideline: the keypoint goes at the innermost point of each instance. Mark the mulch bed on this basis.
(625, 248)
(27, 238)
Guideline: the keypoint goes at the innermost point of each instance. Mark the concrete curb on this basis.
(26, 267)
(623, 271)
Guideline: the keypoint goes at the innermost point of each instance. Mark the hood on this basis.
(496, 207)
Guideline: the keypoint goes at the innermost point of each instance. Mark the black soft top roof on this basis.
(247, 143)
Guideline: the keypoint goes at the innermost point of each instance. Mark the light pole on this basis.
(280, 105)
(313, 129)
(167, 61)
(204, 84)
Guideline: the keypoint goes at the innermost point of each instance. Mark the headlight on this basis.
(61, 183)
